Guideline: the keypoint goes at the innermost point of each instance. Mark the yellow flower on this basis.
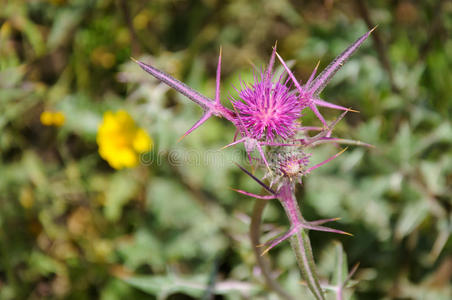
(49, 118)
(120, 140)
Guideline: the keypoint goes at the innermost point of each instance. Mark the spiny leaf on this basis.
(322, 80)
(179, 86)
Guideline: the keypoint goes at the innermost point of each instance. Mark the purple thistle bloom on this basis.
(268, 109)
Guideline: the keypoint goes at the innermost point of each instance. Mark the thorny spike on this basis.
(181, 87)
(252, 64)
(217, 90)
(233, 143)
(204, 118)
(310, 128)
(308, 83)
(334, 123)
(235, 135)
(250, 159)
(256, 179)
(322, 80)
(324, 103)
(271, 62)
(313, 102)
(263, 197)
(277, 241)
(323, 221)
(240, 119)
(316, 111)
(325, 229)
(326, 161)
(327, 133)
(306, 225)
(261, 152)
(289, 72)
(328, 140)
(350, 274)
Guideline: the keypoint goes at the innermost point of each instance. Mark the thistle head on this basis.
(268, 109)
(294, 165)
(287, 164)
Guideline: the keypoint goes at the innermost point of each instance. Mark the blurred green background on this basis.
(72, 227)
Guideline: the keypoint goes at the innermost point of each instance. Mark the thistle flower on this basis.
(266, 115)
(268, 109)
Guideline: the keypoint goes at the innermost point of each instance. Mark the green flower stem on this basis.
(262, 261)
(300, 242)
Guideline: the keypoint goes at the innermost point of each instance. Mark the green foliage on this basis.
(73, 228)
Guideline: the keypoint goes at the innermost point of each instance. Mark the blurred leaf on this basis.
(143, 249)
(121, 189)
(432, 173)
(195, 285)
(163, 286)
(65, 22)
(411, 217)
(44, 264)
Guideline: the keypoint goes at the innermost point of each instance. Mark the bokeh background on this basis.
(74, 227)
